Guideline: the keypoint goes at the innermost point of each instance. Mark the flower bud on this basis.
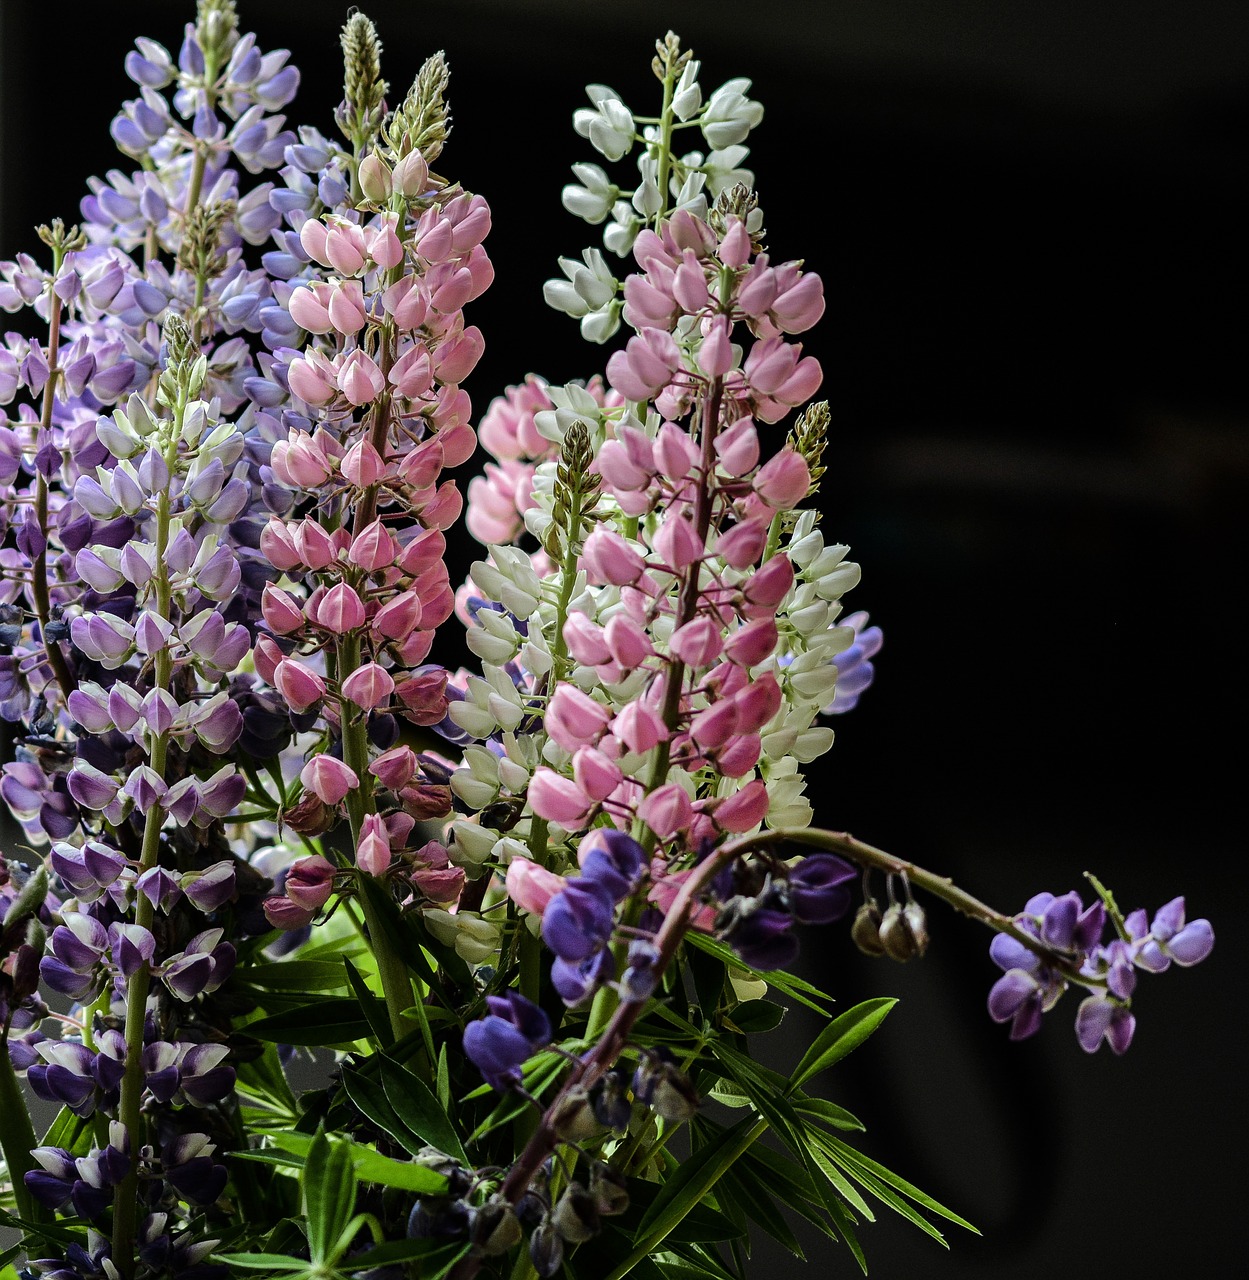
(376, 180)
(575, 1216)
(903, 931)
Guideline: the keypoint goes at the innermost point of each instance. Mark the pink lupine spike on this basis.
(281, 611)
(345, 247)
(340, 610)
(312, 236)
(743, 544)
(444, 509)
(698, 643)
(373, 851)
(374, 548)
(784, 480)
(328, 778)
(458, 443)
(737, 447)
(426, 549)
(346, 307)
(715, 356)
(757, 290)
(395, 768)
(315, 547)
(309, 882)
(278, 546)
(382, 244)
(573, 718)
(531, 886)
(450, 287)
(313, 379)
(645, 366)
(585, 640)
(767, 587)
(800, 303)
(407, 301)
(434, 238)
(454, 361)
(639, 727)
(689, 284)
(677, 542)
(369, 686)
(424, 693)
(667, 810)
(743, 810)
(753, 643)
(609, 558)
(558, 799)
(423, 464)
(398, 618)
(413, 373)
(734, 248)
(758, 703)
(298, 684)
(594, 773)
(310, 307)
(628, 643)
(267, 657)
(359, 378)
(713, 728)
(362, 465)
(676, 454)
(739, 755)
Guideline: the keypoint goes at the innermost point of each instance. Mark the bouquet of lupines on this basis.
(538, 911)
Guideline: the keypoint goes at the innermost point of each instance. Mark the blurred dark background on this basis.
(1030, 221)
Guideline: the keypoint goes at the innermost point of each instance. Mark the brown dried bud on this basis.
(903, 932)
(866, 929)
(310, 817)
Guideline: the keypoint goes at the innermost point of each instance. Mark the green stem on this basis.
(125, 1198)
(665, 143)
(396, 982)
(17, 1137)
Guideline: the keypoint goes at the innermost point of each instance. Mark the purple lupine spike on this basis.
(159, 887)
(576, 980)
(182, 800)
(145, 787)
(1018, 998)
(133, 948)
(205, 1077)
(109, 1064)
(187, 976)
(763, 937)
(211, 888)
(160, 1069)
(498, 1044)
(1098, 1019)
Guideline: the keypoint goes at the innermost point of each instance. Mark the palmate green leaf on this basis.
(414, 1103)
(379, 1020)
(842, 1036)
(435, 1256)
(752, 1199)
(295, 975)
(369, 1096)
(370, 1165)
(337, 1021)
(69, 1131)
(686, 1187)
(278, 1263)
(755, 1016)
(329, 1189)
(847, 1155)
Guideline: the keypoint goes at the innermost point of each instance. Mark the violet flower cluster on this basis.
(261, 816)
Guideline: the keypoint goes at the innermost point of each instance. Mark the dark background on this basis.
(1030, 221)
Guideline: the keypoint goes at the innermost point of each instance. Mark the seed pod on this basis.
(917, 922)
(898, 935)
(495, 1228)
(610, 1100)
(574, 1119)
(608, 1189)
(866, 929)
(575, 1215)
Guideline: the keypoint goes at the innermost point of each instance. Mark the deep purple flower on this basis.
(579, 919)
(512, 1032)
(576, 980)
(818, 889)
(762, 936)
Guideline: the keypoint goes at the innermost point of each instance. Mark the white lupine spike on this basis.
(472, 719)
(472, 791)
(803, 551)
(482, 764)
(812, 744)
(602, 326)
(842, 579)
(506, 713)
(723, 169)
(647, 199)
(592, 196)
(508, 848)
(536, 658)
(729, 115)
(687, 97)
(623, 230)
(489, 648)
(472, 844)
(608, 126)
(513, 776)
(810, 619)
